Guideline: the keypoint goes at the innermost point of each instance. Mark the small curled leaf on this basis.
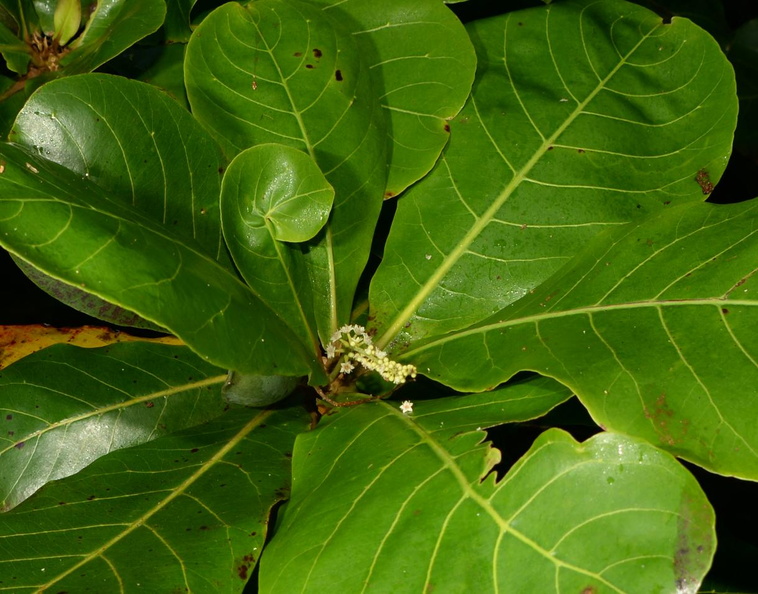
(278, 190)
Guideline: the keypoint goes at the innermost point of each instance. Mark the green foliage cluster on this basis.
(378, 233)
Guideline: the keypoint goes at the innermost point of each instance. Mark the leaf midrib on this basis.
(584, 310)
(449, 462)
(176, 492)
(396, 326)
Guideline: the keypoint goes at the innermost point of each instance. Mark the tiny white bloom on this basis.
(330, 351)
(406, 407)
(346, 367)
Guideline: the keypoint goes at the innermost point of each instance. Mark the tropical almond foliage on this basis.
(366, 234)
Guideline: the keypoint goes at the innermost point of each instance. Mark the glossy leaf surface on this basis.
(68, 227)
(133, 140)
(398, 498)
(422, 58)
(584, 115)
(642, 326)
(273, 198)
(188, 511)
(64, 407)
(283, 71)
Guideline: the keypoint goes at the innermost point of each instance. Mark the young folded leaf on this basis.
(274, 197)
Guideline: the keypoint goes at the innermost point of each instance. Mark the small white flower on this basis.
(406, 407)
(346, 367)
(330, 351)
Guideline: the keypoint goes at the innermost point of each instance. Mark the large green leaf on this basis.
(423, 59)
(401, 502)
(187, 512)
(284, 71)
(69, 227)
(273, 198)
(653, 326)
(584, 115)
(133, 140)
(65, 407)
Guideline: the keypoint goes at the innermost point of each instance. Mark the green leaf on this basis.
(611, 514)
(274, 194)
(66, 19)
(146, 150)
(64, 407)
(135, 141)
(424, 60)
(69, 227)
(14, 51)
(188, 511)
(583, 116)
(514, 402)
(177, 23)
(652, 326)
(286, 72)
(113, 26)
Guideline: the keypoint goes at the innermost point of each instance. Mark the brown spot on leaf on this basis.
(149, 404)
(8, 417)
(724, 310)
(589, 590)
(580, 151)
(20, 445)
(194, 450)
(338, 75)
(310, 66)
(703, 179)
(297, 54)
(447, 127)
(317, 53)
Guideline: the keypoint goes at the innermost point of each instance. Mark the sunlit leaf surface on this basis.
(584, 115)
(65, 406)
(400, 500)
(187, 512)
(653, 326)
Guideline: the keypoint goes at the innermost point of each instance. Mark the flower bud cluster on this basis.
(354, 343)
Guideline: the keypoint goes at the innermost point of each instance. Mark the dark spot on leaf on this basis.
(61, 503)
(520, 24)
(194, 450)
(389, 195)
(262, 426)
(11, 433)
(282, 493)
(550, 148)
(338, 75)
(221, 170)
(297, 54)
(253, 533)
(580, 151)
(447, 127)
(589, 590)
(704, 181)
(310, 66)
(317, 53)
(8, 417)
(667, 202)
(724, 310)
(288, 454)
(20, 445)
(149, 404)
(204, 527)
